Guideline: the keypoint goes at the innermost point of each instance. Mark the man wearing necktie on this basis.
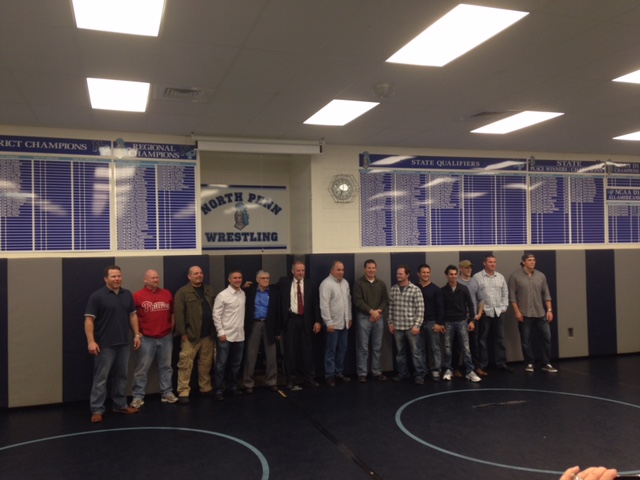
(301, 320)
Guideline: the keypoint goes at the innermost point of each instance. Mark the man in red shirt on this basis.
(154, 306)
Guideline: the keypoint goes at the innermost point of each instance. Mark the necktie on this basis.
(300, 301)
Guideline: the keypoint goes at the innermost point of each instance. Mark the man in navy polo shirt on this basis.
(108, 319)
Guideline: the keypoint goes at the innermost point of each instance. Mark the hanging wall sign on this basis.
(244, 217)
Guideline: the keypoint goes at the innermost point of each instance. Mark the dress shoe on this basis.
(208, 393)
(218, 396)
(248, 390)
(382, 377)
(183, 400)
(331, 382)
(342, 378)
(505, 368)
(362, 379)
(126, 410)
(481, 372)
(457, 374)
(96, 418)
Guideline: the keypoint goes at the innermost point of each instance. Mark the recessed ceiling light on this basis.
(462, 29)
(137, 17)
(516, 122)
(340, 112)
(633, 137)
(633, 77)
(118, 95)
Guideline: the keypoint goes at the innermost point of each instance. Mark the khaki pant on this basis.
(205, 347)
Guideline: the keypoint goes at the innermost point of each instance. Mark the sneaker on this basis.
(549, 368)
(435, 376)
(418, 380)
(529, 367)
(448, 375)
(137, 402)
(473, 377)
(168, 398)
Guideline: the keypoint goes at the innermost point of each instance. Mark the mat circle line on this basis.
(486, 462)
(256, 452)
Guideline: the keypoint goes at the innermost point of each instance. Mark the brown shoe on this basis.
(96, 418)
(382, 377)
(457, 374)
(362, 379)
(342, 378)
(126, 410)
(481, 373)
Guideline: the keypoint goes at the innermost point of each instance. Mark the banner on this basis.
(243, 217)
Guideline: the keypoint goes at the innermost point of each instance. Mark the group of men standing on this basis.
(294, 310)
(467, 313)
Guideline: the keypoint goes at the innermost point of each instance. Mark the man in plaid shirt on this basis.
(406, 313)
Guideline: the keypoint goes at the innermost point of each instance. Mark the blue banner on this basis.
(58, 146)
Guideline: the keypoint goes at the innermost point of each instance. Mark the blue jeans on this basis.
(461, 331)
(228, 352)
(111, 362)
(431, 340)
(401, 339)
(495, 325)
(544, 332)
(151, 348)
(334, 352)
(365, 331)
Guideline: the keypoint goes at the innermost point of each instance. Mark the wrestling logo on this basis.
(241, 216)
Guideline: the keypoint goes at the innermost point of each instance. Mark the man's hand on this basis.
(94, 348)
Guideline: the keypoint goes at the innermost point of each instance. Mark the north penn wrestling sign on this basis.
(241, 217)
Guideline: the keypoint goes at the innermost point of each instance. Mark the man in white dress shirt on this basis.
(228, 318)
(335, 308)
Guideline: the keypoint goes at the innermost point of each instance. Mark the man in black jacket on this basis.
(300, 300)
(263, 323)
(458, 317)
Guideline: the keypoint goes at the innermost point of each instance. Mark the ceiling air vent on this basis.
(197, 95)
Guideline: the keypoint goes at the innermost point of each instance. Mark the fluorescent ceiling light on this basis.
(462, 29)
(516, 122)
(633, 77)
(118, 95)
(137, 17)
(633, 137)
(340, 112)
